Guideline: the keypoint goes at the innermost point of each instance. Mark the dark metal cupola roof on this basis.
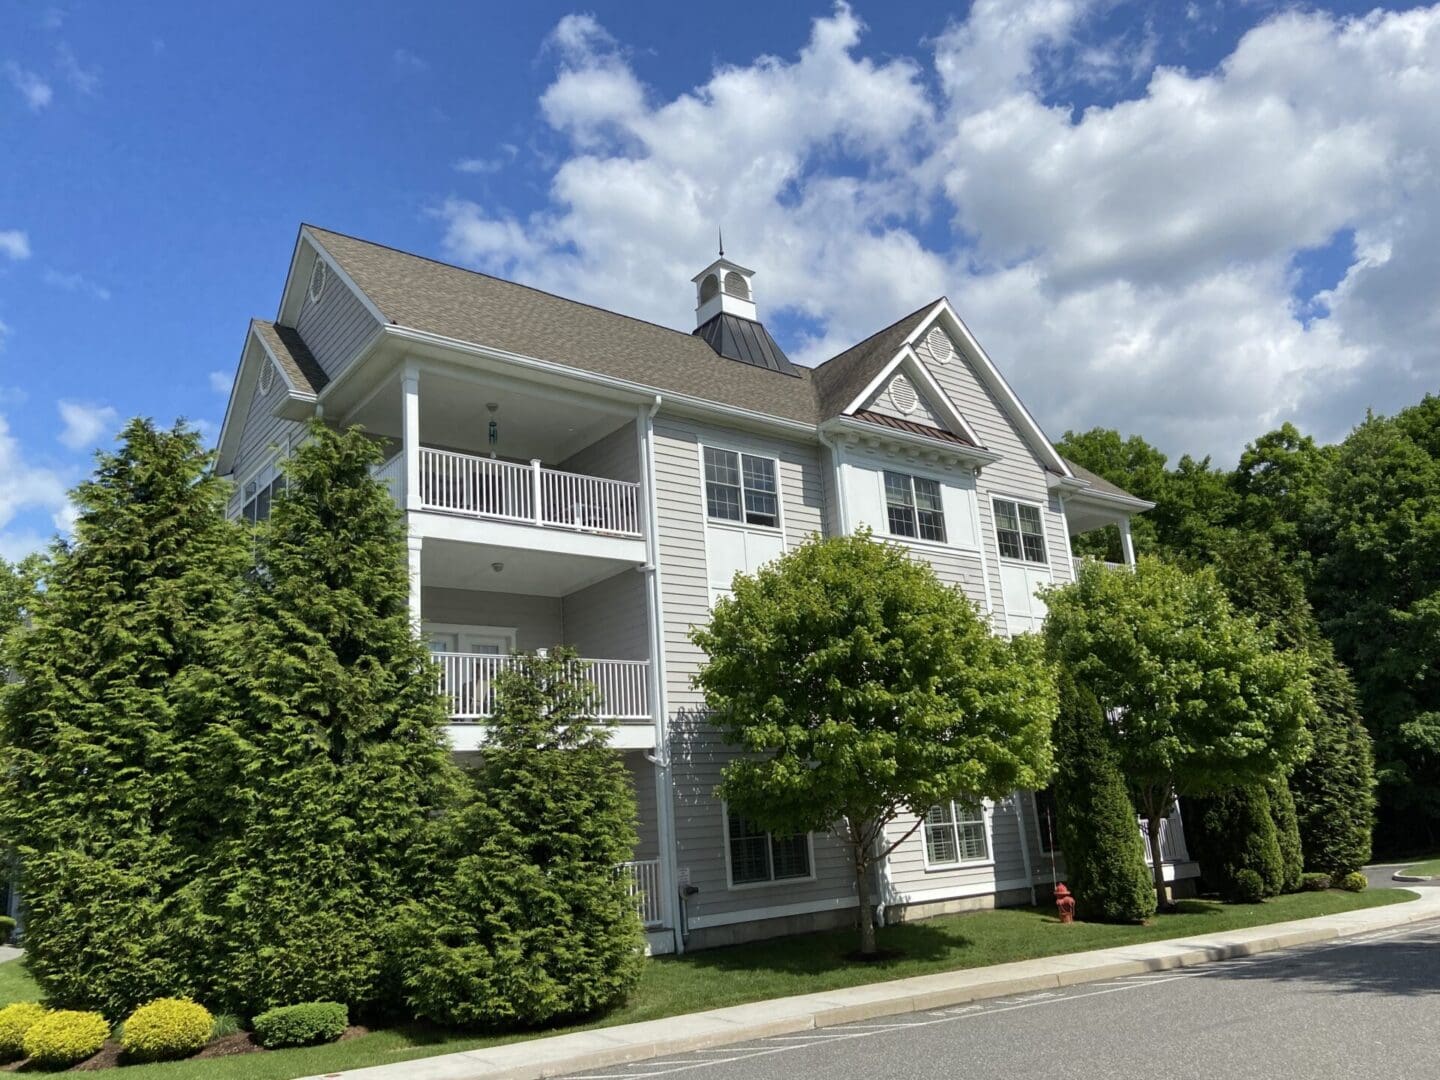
(726, 318)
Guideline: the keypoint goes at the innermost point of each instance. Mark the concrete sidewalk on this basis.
(586, 1050)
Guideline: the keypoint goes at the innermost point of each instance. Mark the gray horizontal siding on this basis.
(335, 328)
(538, 620)
(615, 456)
(263, 434)
(642, 775)
(608, 620)
(910, 880)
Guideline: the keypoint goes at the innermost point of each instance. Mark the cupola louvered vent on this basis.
(939, 345)
(902, 395)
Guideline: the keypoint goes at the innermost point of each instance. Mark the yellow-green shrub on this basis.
(15, 1021)
(66, 1037)
(167, 1028)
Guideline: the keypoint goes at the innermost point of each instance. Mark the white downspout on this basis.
(837, 461)
(654, 599)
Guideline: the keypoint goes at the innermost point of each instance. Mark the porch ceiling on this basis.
(531, 421)
(451, 565)
(1082, 517)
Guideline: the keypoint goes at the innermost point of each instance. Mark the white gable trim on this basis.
(994, 381)
(925, 382)
(242, 396)
(294, 293)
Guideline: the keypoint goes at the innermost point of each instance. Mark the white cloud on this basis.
(492, 164)
(25, 487)
(75, 283)
(408, 62)
(84, 424)
(1130, 264)
(14, 244)
(220, 382)
(82, 79)
(35, 90)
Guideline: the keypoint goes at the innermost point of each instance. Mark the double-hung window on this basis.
(757, 856)
(1019, 531)
(741, 487)
(912, 507)
(258, 497)
(955, 833)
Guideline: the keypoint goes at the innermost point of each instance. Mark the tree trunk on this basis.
(862, 893)
(1157, 864)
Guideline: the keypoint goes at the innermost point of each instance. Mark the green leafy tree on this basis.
(1377, 594)
(1283, 484)
(528, 921)
(1104, 857)
(101, 732)
(1233, 831)
(863, 688)
(1287, 834)
(1197, 697)
(335, 758)
(1134, 465)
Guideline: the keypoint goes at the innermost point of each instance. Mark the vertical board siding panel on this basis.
(335, 329)
(537, 620)
(607, 620)
(697, 752)
(614, 456)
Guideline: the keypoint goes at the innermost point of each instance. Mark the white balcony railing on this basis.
(490, 488)
(1172, 848)
(644, 875)
(622, 687)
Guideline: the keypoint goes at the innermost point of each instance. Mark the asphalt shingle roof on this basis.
(304, 372)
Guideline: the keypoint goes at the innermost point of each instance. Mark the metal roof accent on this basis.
(911, 427)
(746, 341)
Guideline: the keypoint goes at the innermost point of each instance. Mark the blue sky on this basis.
(1190, 221)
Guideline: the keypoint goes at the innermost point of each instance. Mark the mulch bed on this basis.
(242, 1042)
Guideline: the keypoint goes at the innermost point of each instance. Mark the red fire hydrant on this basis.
(1064, 903)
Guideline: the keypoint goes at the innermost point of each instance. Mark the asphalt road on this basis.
(1363, 1007)
(1381, 876)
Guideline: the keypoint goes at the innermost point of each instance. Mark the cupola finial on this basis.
(721, 234)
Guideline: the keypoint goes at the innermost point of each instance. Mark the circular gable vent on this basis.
(902, 395)
(318, 273)
(267, 377)
(939, 345)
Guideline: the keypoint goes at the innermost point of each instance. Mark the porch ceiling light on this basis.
(497, 566)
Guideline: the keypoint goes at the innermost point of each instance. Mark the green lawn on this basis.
(1428, 868)
(798, 965)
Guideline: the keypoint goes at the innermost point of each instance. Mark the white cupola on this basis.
(723, 287)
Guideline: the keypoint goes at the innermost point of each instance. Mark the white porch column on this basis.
(1127, 543)
(410, 435)
(655, 618)
(414, 544)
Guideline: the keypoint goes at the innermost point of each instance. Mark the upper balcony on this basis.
(504, 464)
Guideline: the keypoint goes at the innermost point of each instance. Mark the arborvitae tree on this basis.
(1104, 855)
(529, 921)
(100, 731)
(1287, 834)
(336, 756)
(1335, 787)
(1233, 831)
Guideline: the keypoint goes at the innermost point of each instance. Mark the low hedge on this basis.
(7, 927)
(15, 1021)
(1248, 887)
(1354, 881)
(167, 1028)
(301, 1025)
(64, 1038)
(1315, 882)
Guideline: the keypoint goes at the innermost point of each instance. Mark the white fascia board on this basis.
(1106, 499)
(345, 278)
(237, 408)
(992, 378)
(916, 368)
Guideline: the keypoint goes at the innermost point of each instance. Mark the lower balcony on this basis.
(467, 681)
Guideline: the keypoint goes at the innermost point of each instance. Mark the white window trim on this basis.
(987, 815)
(269, 467)
(773, 882)
(1000, 496)
(779, 525)
(915, 507)
(879, 464)
(427, 628)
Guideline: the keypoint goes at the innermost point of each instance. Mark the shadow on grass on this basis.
(813, 954)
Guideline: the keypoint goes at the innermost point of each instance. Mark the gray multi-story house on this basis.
(575, 476)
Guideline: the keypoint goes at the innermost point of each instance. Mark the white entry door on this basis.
(485, 640)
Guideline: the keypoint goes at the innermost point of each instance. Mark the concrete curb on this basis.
(584, 1051)
(1412, 879)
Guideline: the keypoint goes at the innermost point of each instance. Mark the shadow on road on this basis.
(1406, 968)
